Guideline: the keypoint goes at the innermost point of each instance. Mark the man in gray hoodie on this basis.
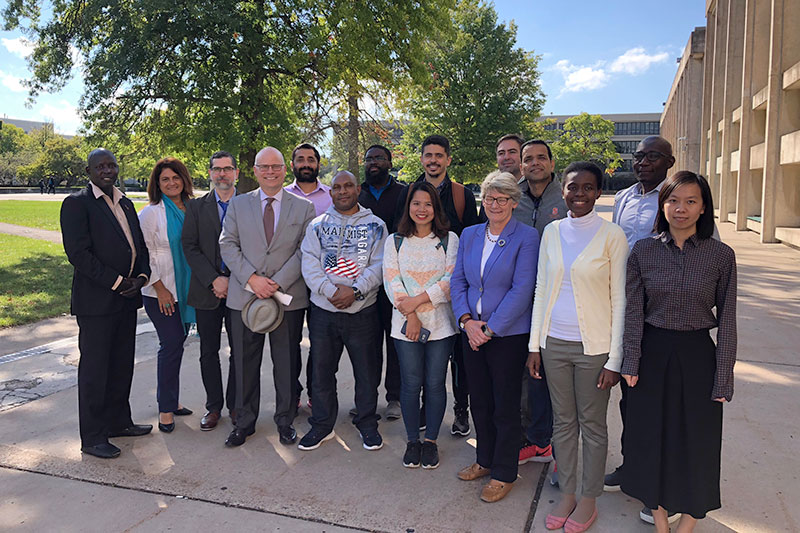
(342, 259)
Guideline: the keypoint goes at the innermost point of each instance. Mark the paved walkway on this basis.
(189, 481)
(32, 233)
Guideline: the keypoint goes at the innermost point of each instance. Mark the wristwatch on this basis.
(463, 323)
(358, 294)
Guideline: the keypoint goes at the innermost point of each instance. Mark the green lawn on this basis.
(35, 280)
(39, 214)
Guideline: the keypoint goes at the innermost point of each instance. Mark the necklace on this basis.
(489, 236)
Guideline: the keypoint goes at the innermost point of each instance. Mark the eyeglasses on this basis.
(375, 159)
(220, 170)
(277, 167)
(651, 156)
(501, 201)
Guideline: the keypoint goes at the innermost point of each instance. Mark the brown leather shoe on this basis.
(495, 491)
(209, 421)
(473, 471)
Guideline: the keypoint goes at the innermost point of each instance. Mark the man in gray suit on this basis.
(260, 244)
(208, 287)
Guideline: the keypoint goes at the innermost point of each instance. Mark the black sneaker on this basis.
(646, 515)
(430, 455)
(422, 423)
(412, 456)
(372, 439)
(612, 481)
(461, 423)
(314, 438)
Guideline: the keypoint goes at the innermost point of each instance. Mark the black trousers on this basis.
(209, 326)
(248, 351)
(392, 380)
(493, 373)
(105, 373)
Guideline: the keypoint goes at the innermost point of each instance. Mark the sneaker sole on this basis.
(411, 465)
(650, 520)
(613, 488)
(372, 448)
(456, 432)
(393, 417)
(430, 467)
(329, 436)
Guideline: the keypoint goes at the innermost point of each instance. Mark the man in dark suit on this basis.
(104, 243)
(208, 286)
(260, 244)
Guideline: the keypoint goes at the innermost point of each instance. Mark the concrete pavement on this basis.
(188, 480)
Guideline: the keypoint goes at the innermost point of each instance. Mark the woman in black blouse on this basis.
(679, 378)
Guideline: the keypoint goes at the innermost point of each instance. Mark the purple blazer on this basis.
(508, 278)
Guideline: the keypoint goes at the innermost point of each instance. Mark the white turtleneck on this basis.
(576, 233)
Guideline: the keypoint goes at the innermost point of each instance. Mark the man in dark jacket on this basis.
(103, 241)
(459, 205)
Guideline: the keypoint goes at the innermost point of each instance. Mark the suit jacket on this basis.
(244, 249)
(97, 248)
(200, 238)
(509, 277)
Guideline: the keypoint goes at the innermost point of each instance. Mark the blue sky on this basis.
(608, 56)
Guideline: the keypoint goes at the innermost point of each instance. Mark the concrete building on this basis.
(750, 117)
(629, 130)
(26, 125)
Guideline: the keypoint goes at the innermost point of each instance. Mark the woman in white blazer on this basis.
(165, 295)
(576, 332)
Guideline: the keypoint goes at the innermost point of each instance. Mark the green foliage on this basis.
(60, 158)
(483, 86)
(35, 280)
(586, 137)
(16, 150)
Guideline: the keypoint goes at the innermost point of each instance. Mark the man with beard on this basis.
(380, 193)
(459, 205)
(508, 151)
(342, 256)
(208, 287)
(305, 167)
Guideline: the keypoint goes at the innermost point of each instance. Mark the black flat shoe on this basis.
(183, 411)
(166, 428)
(238, 436)
(287, 434)
(136, 430)
(104, 450)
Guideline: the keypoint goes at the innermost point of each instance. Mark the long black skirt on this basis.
(673, 429)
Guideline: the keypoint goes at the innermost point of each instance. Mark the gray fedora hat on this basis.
(262, 315)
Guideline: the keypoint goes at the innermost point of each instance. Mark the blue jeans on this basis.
(423, 363)
(171, 337)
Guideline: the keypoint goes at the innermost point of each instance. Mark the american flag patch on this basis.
(342, 267)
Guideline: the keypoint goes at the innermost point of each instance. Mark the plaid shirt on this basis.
(678, 289)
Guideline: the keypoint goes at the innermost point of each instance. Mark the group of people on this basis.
(537, 304)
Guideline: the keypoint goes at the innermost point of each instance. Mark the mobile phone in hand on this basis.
(424, 334)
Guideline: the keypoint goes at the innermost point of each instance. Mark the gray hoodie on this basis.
(346, 250)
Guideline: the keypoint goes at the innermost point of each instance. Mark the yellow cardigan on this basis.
(598, 282)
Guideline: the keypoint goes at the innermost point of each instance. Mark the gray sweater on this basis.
(551, 206)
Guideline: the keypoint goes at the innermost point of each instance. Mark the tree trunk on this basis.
(352, 130)
(247, 181)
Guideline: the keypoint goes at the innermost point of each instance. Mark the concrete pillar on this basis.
(744, 194)
(772, 168)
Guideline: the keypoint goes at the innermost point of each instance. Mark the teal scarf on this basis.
(182, 271)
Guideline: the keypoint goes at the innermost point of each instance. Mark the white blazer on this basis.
(153, 220)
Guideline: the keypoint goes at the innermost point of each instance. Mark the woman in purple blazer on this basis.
(492, 294)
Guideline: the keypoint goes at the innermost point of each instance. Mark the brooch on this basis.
(501, 243)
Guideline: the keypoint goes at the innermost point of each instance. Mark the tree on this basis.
(62, 159)
(16, 150)
(586, 137)
(483, 86)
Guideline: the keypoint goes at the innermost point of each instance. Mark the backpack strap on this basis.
(398, 241)
(458, 199)
(443, 243)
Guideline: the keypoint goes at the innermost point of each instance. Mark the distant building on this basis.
(26, 125)
(629, 130)
(749, 121)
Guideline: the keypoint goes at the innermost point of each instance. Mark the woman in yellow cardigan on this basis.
(576, 332)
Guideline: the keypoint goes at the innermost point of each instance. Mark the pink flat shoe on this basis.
(556, 522)
(571, 526)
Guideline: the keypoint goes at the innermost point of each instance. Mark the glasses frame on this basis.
(656, 155)
(277, 167)
(502, 202)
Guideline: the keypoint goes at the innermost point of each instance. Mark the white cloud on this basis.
(636, 61)
(581, 78)
(63, 115)
(19, 46)
(12, 82)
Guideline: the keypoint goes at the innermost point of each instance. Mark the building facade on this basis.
(629, 130)
(749, 121)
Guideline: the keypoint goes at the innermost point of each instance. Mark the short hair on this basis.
(705, 224)
(305, 146)
(510, 137)
(438, 140)
(153, 189)
(441, 224)
(219, 155)
(380, 147)
(585, 166)
(537, 141)
(502, 182)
